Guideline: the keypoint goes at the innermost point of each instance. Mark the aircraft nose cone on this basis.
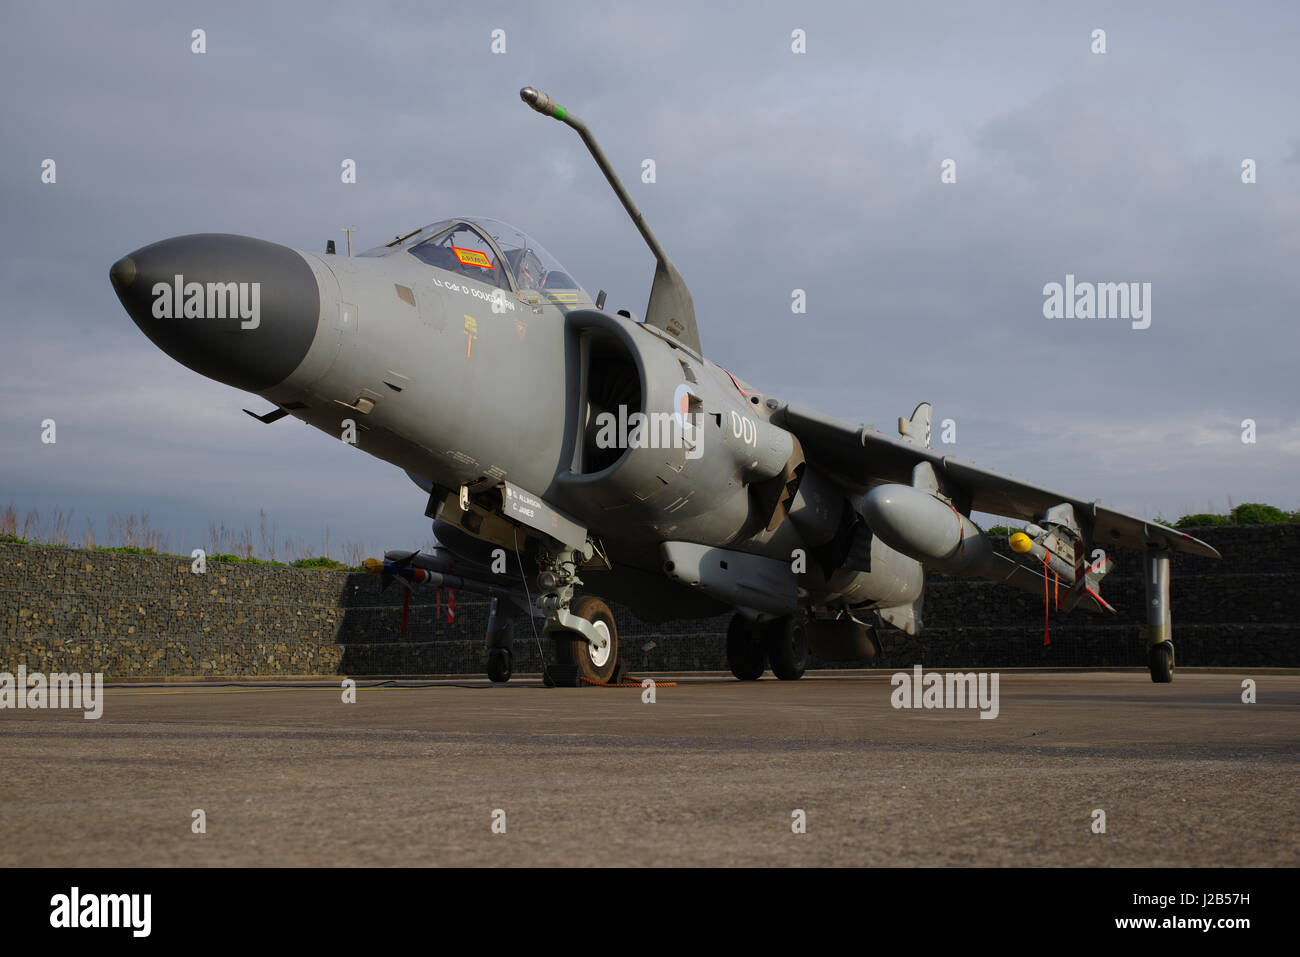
(122, 274)
(239, 310)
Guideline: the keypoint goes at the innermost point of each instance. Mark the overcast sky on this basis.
(775, 171)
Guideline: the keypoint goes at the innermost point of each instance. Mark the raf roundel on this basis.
(682, 402)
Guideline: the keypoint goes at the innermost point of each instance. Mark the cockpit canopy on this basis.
(485, 250)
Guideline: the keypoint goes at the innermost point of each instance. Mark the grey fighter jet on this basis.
(565, 448)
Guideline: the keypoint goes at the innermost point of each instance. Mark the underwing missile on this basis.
(423, 576)
(1026, 547)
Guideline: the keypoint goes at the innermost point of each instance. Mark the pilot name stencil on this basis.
(498, 299)
(209, 300)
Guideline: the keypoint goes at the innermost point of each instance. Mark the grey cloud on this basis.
(774, 172)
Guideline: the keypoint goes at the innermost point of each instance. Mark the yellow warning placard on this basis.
(472, 257)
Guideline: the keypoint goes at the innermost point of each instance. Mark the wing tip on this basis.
(1194, 545)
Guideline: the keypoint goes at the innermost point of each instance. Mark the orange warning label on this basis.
(472, 257)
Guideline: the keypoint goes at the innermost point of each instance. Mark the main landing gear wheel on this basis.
(787, 646)
(595, 662)
(745, 653)
(498, 665)
(1160, 662)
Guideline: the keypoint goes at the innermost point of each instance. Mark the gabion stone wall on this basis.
(64, 610)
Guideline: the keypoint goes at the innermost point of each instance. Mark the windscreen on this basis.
(532, 266)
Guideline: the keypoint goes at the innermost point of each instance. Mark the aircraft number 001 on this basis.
(743, 428)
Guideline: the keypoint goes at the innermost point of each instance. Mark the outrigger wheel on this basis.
(787, 646)
(745, 652)
(1160, 662)
(595, 662)
(498, 665)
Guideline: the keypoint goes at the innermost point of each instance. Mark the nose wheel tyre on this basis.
(787, 646)
(745, 653)
(596, 662)
(1160, 662)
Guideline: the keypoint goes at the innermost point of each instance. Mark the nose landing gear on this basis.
(596, 659)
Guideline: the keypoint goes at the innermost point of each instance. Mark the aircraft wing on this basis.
(859, 458)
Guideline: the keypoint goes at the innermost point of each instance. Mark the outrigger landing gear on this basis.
(1160, 646)
(499, 665)
(1160, 662)
(499, 658)
(583, 628)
